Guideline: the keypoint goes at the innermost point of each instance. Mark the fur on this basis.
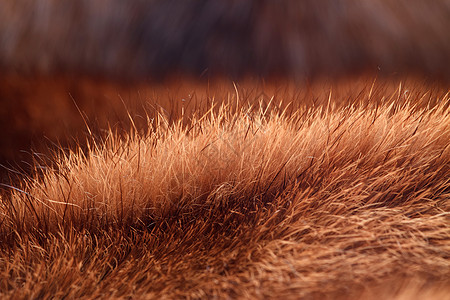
(249, 203)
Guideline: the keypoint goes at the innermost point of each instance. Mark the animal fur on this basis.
(258, 203)
(257, 188)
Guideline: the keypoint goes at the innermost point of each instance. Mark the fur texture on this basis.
(261, 188)
(257, 203)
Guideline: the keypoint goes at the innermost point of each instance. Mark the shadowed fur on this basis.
(321, 202)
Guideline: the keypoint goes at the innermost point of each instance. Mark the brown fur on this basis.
(316, 203)
(29, 127)
(261, 188)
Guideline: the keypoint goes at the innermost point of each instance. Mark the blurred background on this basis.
(117, 38)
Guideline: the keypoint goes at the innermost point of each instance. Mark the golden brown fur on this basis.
(319, 203)
(290, 186)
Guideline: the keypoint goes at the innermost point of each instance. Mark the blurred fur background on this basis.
(287, 37)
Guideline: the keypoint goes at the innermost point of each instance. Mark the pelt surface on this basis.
(242, 202)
